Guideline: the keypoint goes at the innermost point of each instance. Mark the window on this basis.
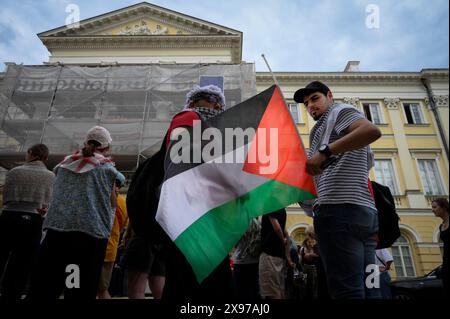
(293, 108)
(300, 235)
(384, 174)
(431, 179)
(403, 263)
(413, 113)
(373, 112)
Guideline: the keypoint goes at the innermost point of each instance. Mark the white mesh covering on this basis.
(56, 105)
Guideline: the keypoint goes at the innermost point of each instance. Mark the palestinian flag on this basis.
(206, 206)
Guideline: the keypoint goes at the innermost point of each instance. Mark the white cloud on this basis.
(22, 44)
(295, 35)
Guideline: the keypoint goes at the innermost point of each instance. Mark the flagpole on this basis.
(268, 66)
(282, 95)
(298, 133)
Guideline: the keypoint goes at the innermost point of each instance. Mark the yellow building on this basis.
(410, 108)
(410, 158)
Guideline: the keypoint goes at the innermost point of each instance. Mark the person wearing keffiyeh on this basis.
(208, 101)
(78, 222)
(202, 103)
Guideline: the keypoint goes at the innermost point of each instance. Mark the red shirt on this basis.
(183, 119)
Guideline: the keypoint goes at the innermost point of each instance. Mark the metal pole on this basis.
(268, 66)
(49, 112)
(307, 204)
(146, 107)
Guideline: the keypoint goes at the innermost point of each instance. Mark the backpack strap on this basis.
(384, 264)
(331, 123)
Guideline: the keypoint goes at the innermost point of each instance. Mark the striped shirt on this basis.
(345, 181)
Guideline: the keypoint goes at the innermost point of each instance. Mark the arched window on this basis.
(299, 235)
(403, 262)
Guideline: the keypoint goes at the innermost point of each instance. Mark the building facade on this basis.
(410, 157)
(410, 108)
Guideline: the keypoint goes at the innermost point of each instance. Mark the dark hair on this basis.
(441, 202)
(90, 147)
(118, 183)
(39, 152)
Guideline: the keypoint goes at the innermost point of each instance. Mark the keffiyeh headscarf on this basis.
(79, 164)
(209, 93)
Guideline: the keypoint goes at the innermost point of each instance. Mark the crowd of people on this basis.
(66, 233)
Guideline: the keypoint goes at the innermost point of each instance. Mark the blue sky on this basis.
(294, 35)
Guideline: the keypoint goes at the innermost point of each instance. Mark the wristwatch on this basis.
(325, 149)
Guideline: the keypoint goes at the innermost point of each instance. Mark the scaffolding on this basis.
(57, 104)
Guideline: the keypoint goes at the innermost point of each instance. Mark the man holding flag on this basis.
(202, 103)
(222, 169)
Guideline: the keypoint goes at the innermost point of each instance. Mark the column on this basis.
(415, 197)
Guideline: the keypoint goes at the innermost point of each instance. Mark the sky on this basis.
(294, 35)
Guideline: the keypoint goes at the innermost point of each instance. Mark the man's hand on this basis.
(127, 236)
(314, 163)
(43, 210)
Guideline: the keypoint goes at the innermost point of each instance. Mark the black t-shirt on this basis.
(271, 242)
(445, 237)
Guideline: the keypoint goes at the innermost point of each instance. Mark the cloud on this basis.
(18, 39)
(295, 35)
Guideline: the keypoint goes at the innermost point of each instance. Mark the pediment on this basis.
(141, 19)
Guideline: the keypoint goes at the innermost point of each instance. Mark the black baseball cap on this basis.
(312, 87)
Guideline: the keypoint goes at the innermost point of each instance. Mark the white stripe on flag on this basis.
(188, 196)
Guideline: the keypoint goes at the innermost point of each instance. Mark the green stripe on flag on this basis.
(209, 239)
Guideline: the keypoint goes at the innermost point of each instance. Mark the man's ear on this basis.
(330, 95)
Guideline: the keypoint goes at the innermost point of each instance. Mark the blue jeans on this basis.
(346, 238)
(385, 280)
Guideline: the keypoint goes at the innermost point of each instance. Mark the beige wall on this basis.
(141, 56)
(444, 117)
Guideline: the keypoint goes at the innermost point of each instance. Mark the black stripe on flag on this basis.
(247, 114)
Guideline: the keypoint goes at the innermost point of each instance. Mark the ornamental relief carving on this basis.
(392, 103)
(439, 101)
(178, 25)
(352, 101)
(143, 29)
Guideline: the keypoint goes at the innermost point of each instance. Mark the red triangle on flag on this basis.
(285, 163)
